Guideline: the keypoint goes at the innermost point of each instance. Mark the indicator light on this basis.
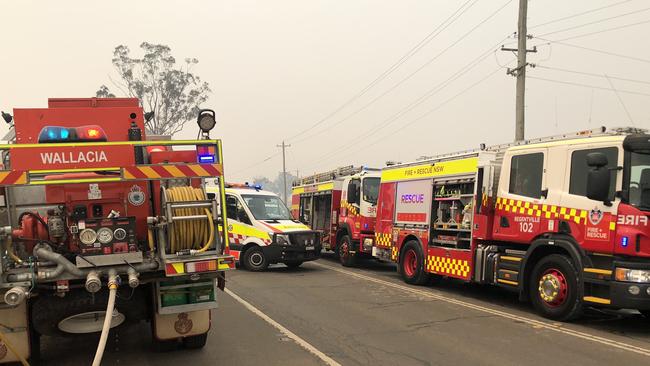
(624, 241)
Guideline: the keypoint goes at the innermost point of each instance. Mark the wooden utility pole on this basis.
(284, 171)
(520, 71)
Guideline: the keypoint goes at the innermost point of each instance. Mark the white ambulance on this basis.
(261, 230)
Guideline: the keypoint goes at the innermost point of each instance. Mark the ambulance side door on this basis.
(238, 220)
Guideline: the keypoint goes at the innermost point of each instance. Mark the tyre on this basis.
(411, 264)
(254, 259)
(553, 287)
(195, 342)
(77, 313)
(346, 258)
(293, 264)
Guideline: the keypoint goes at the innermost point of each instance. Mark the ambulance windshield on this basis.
(640, 181)
(267, 207)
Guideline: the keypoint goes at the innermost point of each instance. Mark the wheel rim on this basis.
(256, 259)
(553, 287)
(89, 322)
(410, 263)
(344, 250)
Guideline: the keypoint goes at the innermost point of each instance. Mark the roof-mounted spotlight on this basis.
(207, 120)
(7, 117)
(148, 116)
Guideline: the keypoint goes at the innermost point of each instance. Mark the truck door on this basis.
(592, 227)
(523, 193)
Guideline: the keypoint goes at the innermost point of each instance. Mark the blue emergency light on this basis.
(624, 241)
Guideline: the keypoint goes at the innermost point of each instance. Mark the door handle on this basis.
(504, 222)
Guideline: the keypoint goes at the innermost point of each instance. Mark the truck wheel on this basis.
(554, 288)
(411, 264)
(254, 259)
(293, 264)
(346, 258)
(195, 342)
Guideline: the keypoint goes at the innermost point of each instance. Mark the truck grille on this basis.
(304, 239)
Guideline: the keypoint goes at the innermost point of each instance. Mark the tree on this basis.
(172, 92)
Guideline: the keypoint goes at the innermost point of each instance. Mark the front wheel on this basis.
(346, 258)
(554, 288)
(255, 260)
(411, 264)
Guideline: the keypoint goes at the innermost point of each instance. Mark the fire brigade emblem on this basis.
(595, 216)
(3, 350)
(136, 196)
(183, 325)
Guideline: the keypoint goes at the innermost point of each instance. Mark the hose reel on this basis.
(190, 221)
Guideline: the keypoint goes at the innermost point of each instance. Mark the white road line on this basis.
(299, 341)
(503, 314)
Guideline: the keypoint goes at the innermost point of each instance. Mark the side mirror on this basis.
(242, 216)
(598, 178)
(352, 193)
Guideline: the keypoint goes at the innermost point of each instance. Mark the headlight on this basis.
(282, 239)
(633, 275)
(367, 242)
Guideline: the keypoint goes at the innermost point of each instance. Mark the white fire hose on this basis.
(108, 317)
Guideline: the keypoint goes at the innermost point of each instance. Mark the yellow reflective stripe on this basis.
(198, 170)
(298, 190)
(113, 143)
(598, 271)
(597, 300)
(150, 173)
(72, 181)
(508, 282)
(326, 186)
(73, 170)
(174, 171)
(290, 227)
(451, 167)
(512, 259)
(248, 231)
(179, 267)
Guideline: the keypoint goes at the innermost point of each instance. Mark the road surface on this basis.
(323, 313)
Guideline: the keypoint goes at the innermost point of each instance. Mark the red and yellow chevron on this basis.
(171, 171)
(11, 177)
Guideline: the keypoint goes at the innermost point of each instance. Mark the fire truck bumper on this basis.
(634, 291)
(280, 254)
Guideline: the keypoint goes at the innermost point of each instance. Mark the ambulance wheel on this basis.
(346, 258)
(554, 288)
(411, 264)
(254, 259)
(195, 342)
(293, 264)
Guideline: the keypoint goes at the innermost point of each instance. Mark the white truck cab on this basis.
(262, 231)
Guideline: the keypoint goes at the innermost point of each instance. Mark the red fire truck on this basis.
(342, 205)
(98, 218)
(563, 221)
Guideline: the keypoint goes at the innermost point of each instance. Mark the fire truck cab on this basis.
(342, 204)
(262, 231)
(562, 220)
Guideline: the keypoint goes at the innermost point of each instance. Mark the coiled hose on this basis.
(190, 234)
(13, 350)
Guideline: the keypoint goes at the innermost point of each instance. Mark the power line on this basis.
(620, 99)
(415, 49)
(595, 50)
(595, 22)
(439, 106)
(603, 31)
(589, 86)
(421, 67)
(592, 74)
(256, 164)
(580, 14)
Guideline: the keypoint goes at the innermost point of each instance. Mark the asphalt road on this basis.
(323, 313)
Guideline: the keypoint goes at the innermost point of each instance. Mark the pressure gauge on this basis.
(88, 236)
(119, 234)
(104, 235)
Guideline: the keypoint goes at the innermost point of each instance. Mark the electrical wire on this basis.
(414, 50)
(538, 66)
(595, 22)
(587, 86)
(408, 77)
(579, 14)
(602, 31)
(594, 50)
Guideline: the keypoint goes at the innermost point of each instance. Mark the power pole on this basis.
(520, 71)
(284, 171)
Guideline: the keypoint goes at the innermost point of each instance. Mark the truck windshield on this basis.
(371, 190)
(640, 181)
(267, 207)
